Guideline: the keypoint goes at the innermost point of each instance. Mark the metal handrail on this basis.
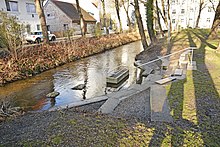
(189, 48)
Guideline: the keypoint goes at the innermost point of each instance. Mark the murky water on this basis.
(91, 71)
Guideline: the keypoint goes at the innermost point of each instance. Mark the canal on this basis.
(91, 71)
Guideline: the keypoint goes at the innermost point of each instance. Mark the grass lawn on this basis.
(194, 102)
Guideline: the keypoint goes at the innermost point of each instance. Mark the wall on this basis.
(55, 18)
(22, 14)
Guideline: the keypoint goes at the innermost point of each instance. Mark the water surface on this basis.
(91, 71)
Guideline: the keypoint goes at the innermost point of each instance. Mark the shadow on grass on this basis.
(206, 96)
(184, 130)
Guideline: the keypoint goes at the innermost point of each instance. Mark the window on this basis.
(174, 11)
(30, 8)
(50, 15)
(182, 20)
(48, 27)
(28, 28)
(173, 20)
(38, 27)
(182, 11)
(173, 2)
(208, 19)
(65, 26)
(11, 5)
(191, 9)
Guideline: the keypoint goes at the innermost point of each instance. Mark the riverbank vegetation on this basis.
(36, 59)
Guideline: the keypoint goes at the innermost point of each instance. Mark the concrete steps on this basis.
(159, 104)
(116, 98)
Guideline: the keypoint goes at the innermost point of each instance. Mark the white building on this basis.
(87, 5)
(184, 13)
(24, 10)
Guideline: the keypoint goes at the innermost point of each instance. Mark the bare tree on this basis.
(168, 15)
(150, 22)
(104, 16)
(126, 4)
(118, 14)
(216, 22)
(163, 13)
(158, 18)
(41, 15)
(202, 5)
(81, 20)
(140, 24)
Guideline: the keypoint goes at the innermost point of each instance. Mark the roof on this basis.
(71, 11)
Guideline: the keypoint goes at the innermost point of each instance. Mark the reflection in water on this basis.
(91, 71)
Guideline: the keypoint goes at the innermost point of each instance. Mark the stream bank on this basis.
(36, 59)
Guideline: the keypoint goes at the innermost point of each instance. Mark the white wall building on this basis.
(184, 13)
(87, 6)
(24, 10)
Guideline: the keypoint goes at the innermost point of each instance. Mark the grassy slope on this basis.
(194, 102)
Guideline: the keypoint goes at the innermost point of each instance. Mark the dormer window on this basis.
(11, 5)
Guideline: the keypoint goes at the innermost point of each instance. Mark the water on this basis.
(91, 71)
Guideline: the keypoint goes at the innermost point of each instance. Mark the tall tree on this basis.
(104, 16)
(163, 13)
(168, 16)
(118, 14)
(216, 22)
(41, 15)
(81, 20)
(202, 5)
(140, 24)
(150, 22)
(158, 18)
(126, 4)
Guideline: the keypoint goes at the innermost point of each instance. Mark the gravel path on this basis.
(70, 127)
(136, 106)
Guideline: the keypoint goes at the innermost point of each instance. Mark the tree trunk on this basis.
(200, 10)
(41, 15)
(81, 20)
(118, 14)
(140, 24)
(164, 14)
(158, 18)
(216, 22)
(168, 15)
(104, 17)
(150, 21)
(126, 10)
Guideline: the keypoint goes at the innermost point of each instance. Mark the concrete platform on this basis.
(116, 98)
(178, 72)
(159, 104)
(81, 103)
(192, 66)
(165, 80)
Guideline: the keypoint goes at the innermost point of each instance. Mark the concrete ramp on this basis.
(159, 104)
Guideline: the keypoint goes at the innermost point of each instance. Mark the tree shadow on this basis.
(203, 38)
(206, 96)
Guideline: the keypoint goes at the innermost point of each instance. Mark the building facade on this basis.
(184, 13)
(62, 16)
(25, 12)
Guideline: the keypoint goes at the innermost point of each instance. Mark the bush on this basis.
(11, 33)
